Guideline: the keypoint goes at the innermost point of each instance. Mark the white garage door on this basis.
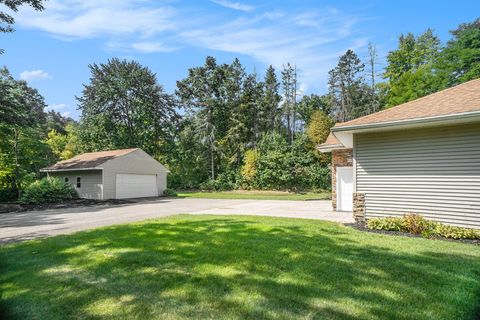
(136, 186)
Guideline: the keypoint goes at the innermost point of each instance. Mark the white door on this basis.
(136, 186)
(344, 188)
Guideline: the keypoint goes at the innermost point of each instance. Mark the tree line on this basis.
(224, 127)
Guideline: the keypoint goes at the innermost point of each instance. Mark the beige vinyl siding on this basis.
(434, 172)
(90, 185)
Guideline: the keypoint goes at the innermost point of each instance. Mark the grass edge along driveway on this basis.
(238, 267)
(256, 195)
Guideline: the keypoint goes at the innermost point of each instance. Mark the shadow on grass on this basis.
(247, 268)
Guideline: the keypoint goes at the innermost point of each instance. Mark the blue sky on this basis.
(52, 49)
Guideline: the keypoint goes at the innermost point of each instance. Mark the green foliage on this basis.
(123, 106)
(416, 224)
(170, 193)
(459, 61)
(279, 166)
(22, 130)
(64, 145)
(249, 168)
(388, 224)
(47, 190)
(318, 127)
(410, 68)
(309, 104)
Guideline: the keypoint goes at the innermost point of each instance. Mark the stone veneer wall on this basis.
(359, 207)
(340, 158)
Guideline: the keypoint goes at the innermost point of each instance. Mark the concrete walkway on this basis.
(38, 224)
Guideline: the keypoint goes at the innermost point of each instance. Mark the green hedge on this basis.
(47, 190)
(416, 224)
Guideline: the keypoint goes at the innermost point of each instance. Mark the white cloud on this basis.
(234, 5)
(148, 47)
(72, 19)
(311, 39)
(29, 75)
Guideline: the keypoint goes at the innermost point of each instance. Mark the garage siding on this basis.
(434, 172)
(90, 183)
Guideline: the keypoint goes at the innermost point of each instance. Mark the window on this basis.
(79, 182)
(66, 179)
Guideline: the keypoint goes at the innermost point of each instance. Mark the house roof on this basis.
(90, 160)
(330, 143)
(461, 99)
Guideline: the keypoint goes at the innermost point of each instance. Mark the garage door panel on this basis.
(136, 186)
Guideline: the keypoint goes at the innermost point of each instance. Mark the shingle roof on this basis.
(462, 98)
(88, 160)
(330, 142)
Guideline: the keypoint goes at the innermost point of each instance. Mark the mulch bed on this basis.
(16, 207)
(362, 227)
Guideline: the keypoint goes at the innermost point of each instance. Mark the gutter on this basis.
(63, 170)
(457, 116)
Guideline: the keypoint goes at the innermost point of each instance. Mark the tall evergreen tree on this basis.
(203, 93)
(270, 102)
(289, 86)
(347, 88)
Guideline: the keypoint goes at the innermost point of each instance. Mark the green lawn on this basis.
(257, 195)
(210, 267)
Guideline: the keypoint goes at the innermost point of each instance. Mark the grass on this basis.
(256, 195)
(199, 267)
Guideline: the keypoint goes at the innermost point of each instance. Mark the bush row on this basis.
(47, 190)
(416, 224)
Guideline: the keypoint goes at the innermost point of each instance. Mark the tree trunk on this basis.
(16, 172)
(212, 162)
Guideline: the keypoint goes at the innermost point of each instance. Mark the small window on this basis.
(66, 179)
(79, 182)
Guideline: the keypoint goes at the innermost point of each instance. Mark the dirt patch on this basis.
(362, 227)
(16, 207)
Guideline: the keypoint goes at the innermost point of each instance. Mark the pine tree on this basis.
(346, 87)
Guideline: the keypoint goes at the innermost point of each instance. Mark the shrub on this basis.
(220, 184)
(47, 190)
(416, 224)
(388, 224)
(454, 232)
(8, 195)
(169, 193)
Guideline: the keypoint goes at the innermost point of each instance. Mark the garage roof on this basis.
(90, 160)
(330, 143)
(461, 99)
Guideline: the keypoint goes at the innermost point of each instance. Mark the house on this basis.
(419, 157)
(115, 174)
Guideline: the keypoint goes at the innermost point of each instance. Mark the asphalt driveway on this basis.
(37, 224)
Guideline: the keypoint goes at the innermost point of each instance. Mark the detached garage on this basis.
(115, 174)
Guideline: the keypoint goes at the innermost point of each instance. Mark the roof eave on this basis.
(409, 122)
(69, 169)
(330, 148)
